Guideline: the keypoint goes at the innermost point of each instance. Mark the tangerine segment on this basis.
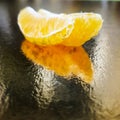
(44, 29)
(47, 28)
(86, 26)
(63, 60)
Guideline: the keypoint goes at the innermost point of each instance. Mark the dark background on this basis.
(30, 92)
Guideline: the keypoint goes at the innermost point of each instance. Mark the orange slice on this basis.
(63, 60)
(86, 26)
(48, 29)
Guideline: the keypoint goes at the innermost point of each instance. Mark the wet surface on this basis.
(28, 91)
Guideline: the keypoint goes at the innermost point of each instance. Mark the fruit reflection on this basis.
(64, 61)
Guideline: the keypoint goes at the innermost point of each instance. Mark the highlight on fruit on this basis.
(55, 40)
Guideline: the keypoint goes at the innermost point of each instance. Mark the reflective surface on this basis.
(28, 91)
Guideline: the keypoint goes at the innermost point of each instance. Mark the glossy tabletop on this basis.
(30, 92)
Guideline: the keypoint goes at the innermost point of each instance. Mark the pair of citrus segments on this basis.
(54, 40)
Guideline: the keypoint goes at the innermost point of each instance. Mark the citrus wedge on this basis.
(86, 26)
(43, 29)
(63, 60)
(47, 28)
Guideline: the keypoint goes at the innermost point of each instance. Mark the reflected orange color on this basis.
(64, 61)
